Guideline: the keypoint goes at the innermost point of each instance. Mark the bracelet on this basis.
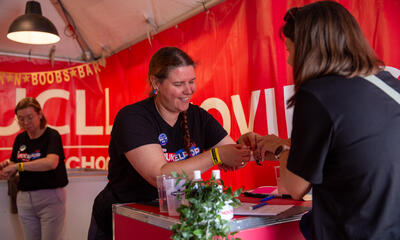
(215, 156)
(20, 167)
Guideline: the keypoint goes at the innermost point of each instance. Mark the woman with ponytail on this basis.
(159, 135)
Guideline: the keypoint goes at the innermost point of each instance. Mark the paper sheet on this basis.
(274, 190)
(267, 210)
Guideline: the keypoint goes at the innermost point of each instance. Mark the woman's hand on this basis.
(249, 139)
(9, 171)
(234, 156)
(267, 145)
(4, 164)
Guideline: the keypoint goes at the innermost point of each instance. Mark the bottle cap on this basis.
(216, 174)
(196, 175)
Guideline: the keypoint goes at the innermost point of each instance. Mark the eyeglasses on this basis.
(290, 14)
(29, 118)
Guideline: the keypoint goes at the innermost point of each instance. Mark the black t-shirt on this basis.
(140, 124)
(26, 149)
(346, 142)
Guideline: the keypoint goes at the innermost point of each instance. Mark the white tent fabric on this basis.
(90, 29)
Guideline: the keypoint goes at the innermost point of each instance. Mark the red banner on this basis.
(242, 79)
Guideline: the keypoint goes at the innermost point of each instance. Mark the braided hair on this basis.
(161, 63)
(186, 136)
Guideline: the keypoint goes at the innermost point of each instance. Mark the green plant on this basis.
(200, 217)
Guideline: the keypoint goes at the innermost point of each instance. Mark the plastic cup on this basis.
(162, 196)
(173, 193)
(281, 189)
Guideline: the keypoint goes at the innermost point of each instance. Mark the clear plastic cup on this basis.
(162, 196)
(173, 192)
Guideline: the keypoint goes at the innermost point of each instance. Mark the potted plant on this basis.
(200, 217)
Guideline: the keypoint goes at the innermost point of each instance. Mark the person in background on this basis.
(346, 129)
(38, 158)
(159, 135)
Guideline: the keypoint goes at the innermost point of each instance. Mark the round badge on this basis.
(163, 139)
(22, 148)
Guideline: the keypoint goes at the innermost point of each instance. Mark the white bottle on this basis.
(227, 210)
(217, 176)
(197, 178)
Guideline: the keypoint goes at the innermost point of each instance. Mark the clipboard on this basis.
(267, 210)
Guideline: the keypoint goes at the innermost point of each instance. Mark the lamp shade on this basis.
(32, 27)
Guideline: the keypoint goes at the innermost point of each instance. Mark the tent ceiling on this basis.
(92, 28)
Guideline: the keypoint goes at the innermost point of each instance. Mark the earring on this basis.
(155, 91)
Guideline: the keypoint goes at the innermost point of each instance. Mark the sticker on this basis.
(22, 148)
(180, 155)
(163, 139)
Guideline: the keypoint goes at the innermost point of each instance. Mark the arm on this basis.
(47, 163)
(150, 162)
(224, 141)
(224, 167)
(311, 138)
(295, 185)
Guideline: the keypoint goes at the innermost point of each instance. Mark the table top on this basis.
(149, 213)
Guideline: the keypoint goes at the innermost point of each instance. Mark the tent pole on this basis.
(204, 6)
(40, 57)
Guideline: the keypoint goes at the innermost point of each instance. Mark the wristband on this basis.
(20, 167)
(215, 156)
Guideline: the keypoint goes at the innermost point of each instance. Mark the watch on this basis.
(281, 149)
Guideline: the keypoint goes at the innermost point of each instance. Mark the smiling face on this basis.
(175, 92)
(29, 119)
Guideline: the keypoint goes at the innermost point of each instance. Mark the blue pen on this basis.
(267, 198)
(258, 205)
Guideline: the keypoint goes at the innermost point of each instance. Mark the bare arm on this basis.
(225, 140)
(150, 162)
(224, 167)
(47, 163)
(295, 185)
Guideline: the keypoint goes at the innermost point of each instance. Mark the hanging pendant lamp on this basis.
(32, 27)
